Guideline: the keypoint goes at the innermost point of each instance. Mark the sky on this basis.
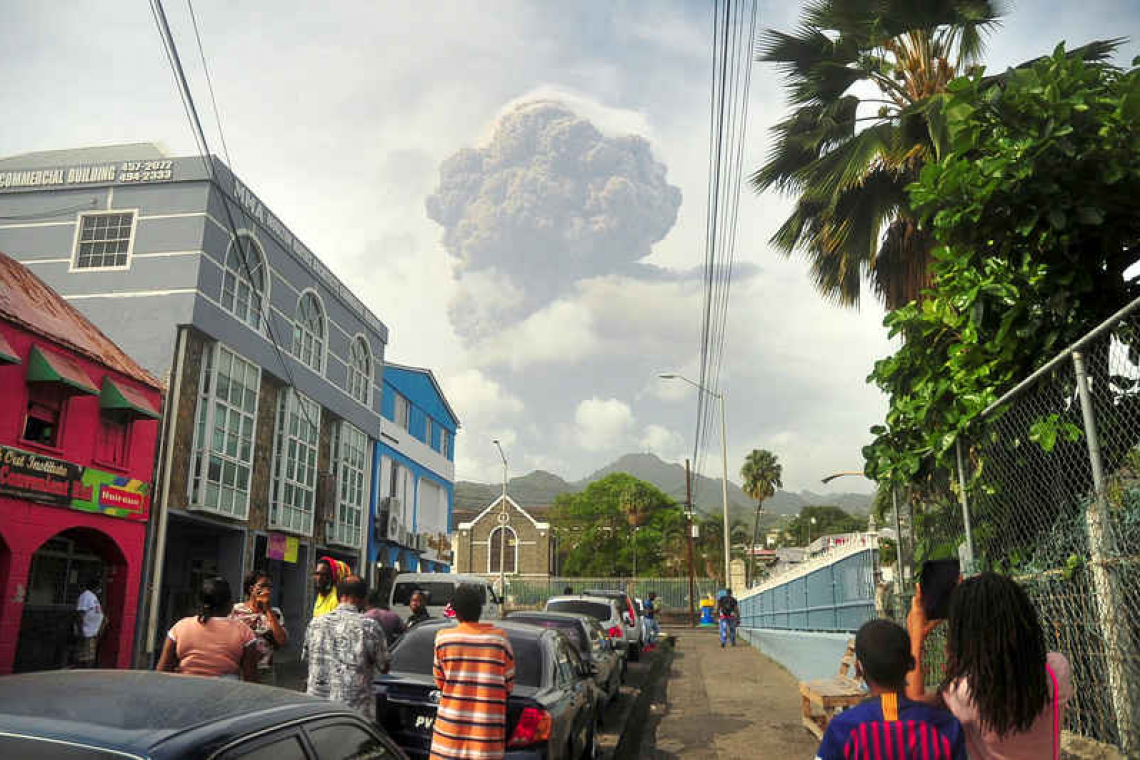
(517, 190)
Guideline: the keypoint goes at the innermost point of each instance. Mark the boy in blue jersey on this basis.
(888, 725)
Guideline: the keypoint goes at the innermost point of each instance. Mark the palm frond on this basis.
(801, 138)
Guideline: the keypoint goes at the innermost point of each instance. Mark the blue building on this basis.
(272, 365)
(413, 469)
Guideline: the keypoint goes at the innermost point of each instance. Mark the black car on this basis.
(588, 636)
(553, 712)
(83, 714)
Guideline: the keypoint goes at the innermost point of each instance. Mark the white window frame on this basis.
(404, 403)
(74, 266)
(352, 467)
(428, 424)
(243, 438)
(254, 318)
(302, 331)
(360, 381)
(444, 434)
(491, 553)
(296, 451)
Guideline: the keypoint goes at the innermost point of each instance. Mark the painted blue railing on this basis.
(832, 592)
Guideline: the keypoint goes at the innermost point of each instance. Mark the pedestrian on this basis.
(90, 623)
(888, 725)
(266, 622)
(729, 617)
(474, 670)
(388, 620)
(651, 628)
(345, 650)
(1008, 692)
(326, 575)
(418, 603)
(211, 644)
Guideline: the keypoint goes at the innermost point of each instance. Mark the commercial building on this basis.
(414, 468)
(78, 435)
(274, 366)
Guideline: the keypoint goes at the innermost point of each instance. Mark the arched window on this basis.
(360, 370)
(243, 282)
(309, 332)
(510, 554)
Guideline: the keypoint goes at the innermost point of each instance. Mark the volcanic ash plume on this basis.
(549, 201)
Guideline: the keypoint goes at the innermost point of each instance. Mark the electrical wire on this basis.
(203, 147)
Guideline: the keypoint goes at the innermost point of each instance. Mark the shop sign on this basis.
(59, 483)
(282, 547)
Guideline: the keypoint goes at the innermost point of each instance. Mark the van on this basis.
(439, 587)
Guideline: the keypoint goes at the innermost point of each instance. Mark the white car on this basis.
(439, 588)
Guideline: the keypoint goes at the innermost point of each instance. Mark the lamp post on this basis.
(723, 461)
(635, 529)
(504, 518)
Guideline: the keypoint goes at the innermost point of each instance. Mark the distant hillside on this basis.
(541, 488)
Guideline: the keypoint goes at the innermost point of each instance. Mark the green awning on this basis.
(7, 353)
(45, 367)
(121, 398)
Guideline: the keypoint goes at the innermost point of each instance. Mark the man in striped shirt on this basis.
(474, 671)
(888, 725)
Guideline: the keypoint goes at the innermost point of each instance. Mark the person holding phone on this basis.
(1008, 692)
(265, 622)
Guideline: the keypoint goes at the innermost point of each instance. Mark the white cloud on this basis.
(662, 441)
(602, 424)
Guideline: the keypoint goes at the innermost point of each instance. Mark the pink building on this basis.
(78, 429)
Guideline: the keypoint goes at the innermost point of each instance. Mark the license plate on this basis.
(422, 723)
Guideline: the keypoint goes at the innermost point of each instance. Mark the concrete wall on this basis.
(805, 654)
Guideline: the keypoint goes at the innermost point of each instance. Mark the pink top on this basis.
(213, 648)
(1034, 744)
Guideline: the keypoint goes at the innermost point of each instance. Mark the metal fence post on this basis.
(1110, 604)
(834, 600)
(969, 563)
(898, 543)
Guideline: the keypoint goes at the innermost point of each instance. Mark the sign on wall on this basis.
(59, 483)
(160, 170)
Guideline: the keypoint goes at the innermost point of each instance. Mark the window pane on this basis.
(343, 741)
(282, 749)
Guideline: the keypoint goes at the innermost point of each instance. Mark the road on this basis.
(719, 704)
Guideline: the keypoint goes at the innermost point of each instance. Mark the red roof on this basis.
(27, 301)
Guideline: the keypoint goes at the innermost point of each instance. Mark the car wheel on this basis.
(634, 653)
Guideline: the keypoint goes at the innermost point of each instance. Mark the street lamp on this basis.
(504, 518)
(635, 529)
(723, 461)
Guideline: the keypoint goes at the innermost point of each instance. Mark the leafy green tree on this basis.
(1034, 208)
(858, 75)
(762, 474)
(828, 520)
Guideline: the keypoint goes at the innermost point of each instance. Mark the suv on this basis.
(608, 611)
(630, 618)
(438, 587)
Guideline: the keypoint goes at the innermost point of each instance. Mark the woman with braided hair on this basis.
(1008, 692)
(211, 643)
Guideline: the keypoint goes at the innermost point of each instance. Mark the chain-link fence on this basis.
(1047, 491)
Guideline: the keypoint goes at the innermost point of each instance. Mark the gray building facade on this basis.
(273, 366)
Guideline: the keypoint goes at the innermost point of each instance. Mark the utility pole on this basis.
(504, 518)
(689, 544)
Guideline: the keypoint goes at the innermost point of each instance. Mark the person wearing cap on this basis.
(327, 574)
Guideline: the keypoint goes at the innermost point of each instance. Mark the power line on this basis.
(204, 149)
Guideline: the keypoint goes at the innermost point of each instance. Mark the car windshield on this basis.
(438, 592)
(571, 628)
(598, 610)
(416, 650)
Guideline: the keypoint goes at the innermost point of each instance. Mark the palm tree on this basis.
(761, 474)
(849, 157)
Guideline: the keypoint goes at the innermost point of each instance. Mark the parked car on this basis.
(553, 712)
(606, 611)
(632, 619)
(74, 714)
(589, 638)
(439, 587)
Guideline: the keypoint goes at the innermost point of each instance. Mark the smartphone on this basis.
(939, 577)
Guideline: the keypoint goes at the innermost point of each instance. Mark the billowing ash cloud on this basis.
(549, 201)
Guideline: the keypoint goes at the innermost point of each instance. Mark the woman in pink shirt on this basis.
(1007, 691)
(211, 644)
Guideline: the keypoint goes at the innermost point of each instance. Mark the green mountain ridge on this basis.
(540, 488)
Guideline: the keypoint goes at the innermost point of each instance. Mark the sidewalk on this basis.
(727, 703)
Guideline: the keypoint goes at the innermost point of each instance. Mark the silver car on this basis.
(606, 611)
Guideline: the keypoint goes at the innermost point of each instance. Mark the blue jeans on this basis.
(652, 631)
(727, 630)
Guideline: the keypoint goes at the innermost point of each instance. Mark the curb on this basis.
(629, 746)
